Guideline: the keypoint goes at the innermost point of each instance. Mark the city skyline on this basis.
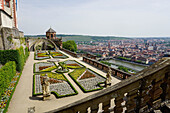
(132, 18)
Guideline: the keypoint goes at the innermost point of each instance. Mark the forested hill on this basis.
(82, 37)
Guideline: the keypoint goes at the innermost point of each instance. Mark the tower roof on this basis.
(51, 30)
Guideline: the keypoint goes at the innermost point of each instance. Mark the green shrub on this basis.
(26, 53)
(7, 72)
(13, 55)
(107, 63)
(21, 59)
(70, 45)
(123, 68)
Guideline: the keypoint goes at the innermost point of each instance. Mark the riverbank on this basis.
(117, 62)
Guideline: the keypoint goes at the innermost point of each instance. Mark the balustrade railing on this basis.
(146, 91)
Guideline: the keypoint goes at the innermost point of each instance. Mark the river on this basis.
(135, 67)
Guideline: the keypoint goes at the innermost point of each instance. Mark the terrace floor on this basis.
(22, 98)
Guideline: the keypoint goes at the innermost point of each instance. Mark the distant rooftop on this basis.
(51, 30)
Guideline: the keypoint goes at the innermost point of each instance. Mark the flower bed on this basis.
(87, 79)
(44, 67)
(57, 54)
(41, 55)
(72, 64)
(59, 85)
(6, 97)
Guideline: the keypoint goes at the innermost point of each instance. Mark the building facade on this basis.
(51, 34)
(8, 17)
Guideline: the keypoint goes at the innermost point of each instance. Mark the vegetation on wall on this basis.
(9, 38)
(22, 40)
(70, 45)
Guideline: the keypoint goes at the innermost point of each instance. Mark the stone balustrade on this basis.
(70, 52)
(104, 67)
(144, 92)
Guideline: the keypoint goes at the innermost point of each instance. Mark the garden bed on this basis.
(57, 54)
(41, 55)
(6, 98)
(44, 67)
(72, 64)
(59, 85)
(87, 79)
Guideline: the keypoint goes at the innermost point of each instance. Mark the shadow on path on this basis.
(36, 98)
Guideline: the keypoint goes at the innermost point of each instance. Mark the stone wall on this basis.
(70, 52)
(5, 37)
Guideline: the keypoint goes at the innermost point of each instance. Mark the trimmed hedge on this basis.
(26, 53)
(13, 55)
(7, 72)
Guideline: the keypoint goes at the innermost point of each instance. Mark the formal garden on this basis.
(59, 85)
(12, 62)
(85, 78)
(42, 55)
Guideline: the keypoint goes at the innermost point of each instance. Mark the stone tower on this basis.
(51, 34)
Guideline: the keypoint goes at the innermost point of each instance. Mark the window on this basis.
(7, 3)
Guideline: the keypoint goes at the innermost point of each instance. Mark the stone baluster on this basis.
(112, 105)
(118, 108)
(106, 106)
(131, 100)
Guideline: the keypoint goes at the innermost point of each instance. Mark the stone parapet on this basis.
(141, 93)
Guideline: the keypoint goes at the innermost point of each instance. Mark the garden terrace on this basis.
(59, 85)
(87, 79)
(145, 92)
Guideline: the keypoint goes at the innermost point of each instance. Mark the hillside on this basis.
(82, 37)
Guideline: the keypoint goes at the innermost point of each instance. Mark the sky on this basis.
(129, 18)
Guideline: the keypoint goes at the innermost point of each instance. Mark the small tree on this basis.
(70, 45)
